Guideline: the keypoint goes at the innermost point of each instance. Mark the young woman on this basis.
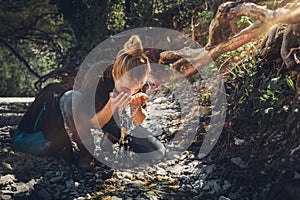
(48, 127)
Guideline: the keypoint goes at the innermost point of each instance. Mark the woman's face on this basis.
(128, 85)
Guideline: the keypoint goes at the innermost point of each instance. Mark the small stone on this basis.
(140, 175)
(56, 179)
(98, 175)
(5, 197)
(69, 184)
(99, 181)
(66, 190)
(44, 194)
(115, 198)
(226, 185)
(21, 187)
(138, 183)
(64, 196)
(217, 187)
(29, 164)
(223, 198)
(173, 161)
(74, 193)
(238, 141)
(125, 175)
(296, 175)
(5, 150)
(160, 100)
(162, 165)
(194, 192)
(199, 184)
(76, 184)
(239, 162)
(56, 195)
(173, 130)
(177, 169)
(49, 173)
(209, 169)
(206, 187)
(7, 179)
(7, 165)
(161, 171)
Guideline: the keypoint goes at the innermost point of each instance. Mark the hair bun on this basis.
(133, 46)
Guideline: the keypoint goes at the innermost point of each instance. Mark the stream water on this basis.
(126, 125)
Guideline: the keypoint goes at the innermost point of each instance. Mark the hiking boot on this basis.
(86, 161)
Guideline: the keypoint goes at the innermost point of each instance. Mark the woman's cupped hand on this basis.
(120, 100)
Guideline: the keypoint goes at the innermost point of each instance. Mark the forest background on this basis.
(38, 37)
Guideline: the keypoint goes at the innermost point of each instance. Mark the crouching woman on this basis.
(48, 127)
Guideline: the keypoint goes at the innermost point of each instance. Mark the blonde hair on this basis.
(132, 60)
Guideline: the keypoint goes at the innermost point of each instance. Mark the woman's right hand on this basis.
(120, 100)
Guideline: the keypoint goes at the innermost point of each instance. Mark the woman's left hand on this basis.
(136, 103)
(139, 99)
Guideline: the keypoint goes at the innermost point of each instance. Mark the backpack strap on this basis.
(38, 119)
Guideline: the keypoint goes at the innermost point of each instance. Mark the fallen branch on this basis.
(221, 34)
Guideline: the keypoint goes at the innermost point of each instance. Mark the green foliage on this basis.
(37, 32)
(59, 33)
(244, 21)
(257, 90)
(116, 17)
(15, 79)
(275, 4)
(241, 78)
(289, 82)
(205, 99)
(205, 15)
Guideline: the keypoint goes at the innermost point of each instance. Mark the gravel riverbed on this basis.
(243, 165)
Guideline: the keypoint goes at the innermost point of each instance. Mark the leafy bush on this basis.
(256, 89)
